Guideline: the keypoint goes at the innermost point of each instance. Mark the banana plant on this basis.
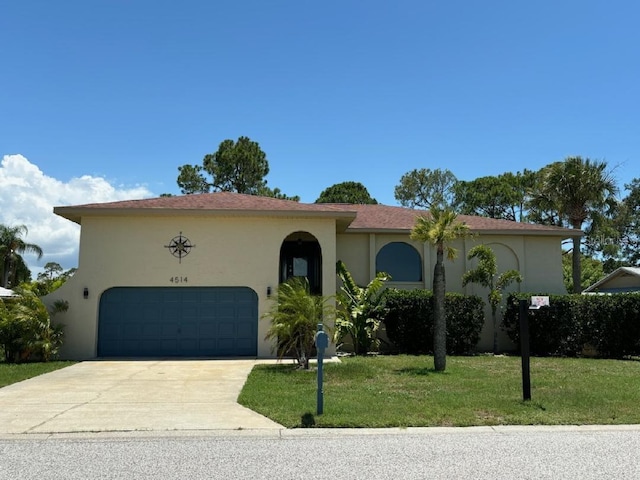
(359, 311)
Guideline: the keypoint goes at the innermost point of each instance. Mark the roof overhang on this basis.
(619, 272)
(565, 233)
(75, 214)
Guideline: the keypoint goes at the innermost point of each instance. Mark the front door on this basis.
(300, 258)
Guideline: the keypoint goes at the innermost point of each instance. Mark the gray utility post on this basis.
(524, 350)
(322, 342)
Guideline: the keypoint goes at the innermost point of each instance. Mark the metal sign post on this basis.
(524, 350)
(322, 342)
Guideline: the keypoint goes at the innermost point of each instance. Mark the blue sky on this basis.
(124, 92)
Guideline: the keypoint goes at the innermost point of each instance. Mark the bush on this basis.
(611, 324)
(552, 331)
(608, 323)
(26, 332)
(465, 319)
(409, 321)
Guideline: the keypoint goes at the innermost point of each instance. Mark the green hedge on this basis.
(608, 323)
(409, 321)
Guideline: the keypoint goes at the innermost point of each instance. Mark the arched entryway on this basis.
(301, 256)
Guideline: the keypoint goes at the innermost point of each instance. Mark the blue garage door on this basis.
(178, 321)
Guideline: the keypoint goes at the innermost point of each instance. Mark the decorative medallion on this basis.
(179, 247)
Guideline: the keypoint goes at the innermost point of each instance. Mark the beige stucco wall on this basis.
(228, 251)
(244, 252)
(538, 258)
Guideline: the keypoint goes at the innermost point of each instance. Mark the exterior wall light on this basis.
(268, 292)
(85, 293)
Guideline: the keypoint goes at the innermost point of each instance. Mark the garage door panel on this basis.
(171, 296)
(224, 310)
(244, 329)
(226, 345)
(244, 311)
(208, 330)
(226, 329)
(131, 330)
(225, 296)
(189, 296)
(165, 330)
(170, 313)
(178, 321)
(189, 329)
(244, 345)
(188, 344)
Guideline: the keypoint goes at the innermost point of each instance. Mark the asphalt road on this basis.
(476, 453)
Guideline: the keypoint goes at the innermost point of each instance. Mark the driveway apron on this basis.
(139, 395)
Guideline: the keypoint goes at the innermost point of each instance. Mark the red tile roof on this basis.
(384, 217)
(358, 218)
(211, 201)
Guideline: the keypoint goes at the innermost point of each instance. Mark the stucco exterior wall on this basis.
(543, 265)
(228, 251)
(244, 251)
(353, 250)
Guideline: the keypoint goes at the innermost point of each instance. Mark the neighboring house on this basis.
(621, 280)
(192, 275)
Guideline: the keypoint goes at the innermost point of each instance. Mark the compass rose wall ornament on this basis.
(180, 246)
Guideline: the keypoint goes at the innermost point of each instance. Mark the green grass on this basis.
(405, 391)
(16, 372)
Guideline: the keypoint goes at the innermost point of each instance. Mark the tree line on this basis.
(576, 192)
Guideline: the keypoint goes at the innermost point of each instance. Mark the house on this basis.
(192, 275)
(621, 280)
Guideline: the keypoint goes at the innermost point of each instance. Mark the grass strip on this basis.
(405, 391)
(17, 372)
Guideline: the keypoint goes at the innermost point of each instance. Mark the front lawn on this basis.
(405, 391)
(16, 372)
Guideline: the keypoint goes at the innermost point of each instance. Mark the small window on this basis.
(300, 267)
(401, 261)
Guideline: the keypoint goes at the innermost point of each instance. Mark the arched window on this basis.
(401, 261)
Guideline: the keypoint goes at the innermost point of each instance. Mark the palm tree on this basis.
(575, 189)
(294, 318)
(439, 229)
(485, 275)
(11, 246)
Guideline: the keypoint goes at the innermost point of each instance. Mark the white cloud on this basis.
(27, 197)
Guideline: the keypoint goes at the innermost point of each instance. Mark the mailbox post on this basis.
(524, 350)
(537, 302)
(322, 342)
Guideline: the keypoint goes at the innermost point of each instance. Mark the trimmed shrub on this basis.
(552, 331)
(608, 323)
(409, 321)
(465, 319)
(611, 324)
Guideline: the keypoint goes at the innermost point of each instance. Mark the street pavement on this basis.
(585, 453)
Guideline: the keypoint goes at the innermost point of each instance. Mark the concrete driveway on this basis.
(139, 395)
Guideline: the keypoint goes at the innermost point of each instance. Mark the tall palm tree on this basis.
(575, 189)
(485, 274)
(11, 246)
(440, 228)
